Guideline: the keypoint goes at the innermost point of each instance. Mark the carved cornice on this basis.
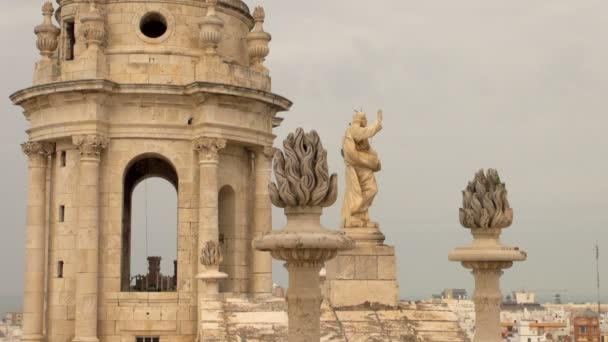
(37, 149)
(194, 90)
(91, 145)
(208, 148)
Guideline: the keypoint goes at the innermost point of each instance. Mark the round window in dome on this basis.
(153, 25)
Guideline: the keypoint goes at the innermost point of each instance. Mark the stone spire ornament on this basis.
(94, 27)
(47, 33)
(303, 187)
(257, 41)
(486, 211)
(211, 29)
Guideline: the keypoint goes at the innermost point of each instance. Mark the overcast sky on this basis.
(517, 85)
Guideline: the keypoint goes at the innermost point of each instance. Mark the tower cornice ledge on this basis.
(278, 102)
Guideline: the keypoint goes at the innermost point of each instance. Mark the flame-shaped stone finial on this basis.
(485, 204)
(302, 174)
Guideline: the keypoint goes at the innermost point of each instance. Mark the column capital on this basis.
(209, 148)
(37, 150)
(90, 145)
(263, 152)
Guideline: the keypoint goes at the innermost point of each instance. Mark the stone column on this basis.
(87, 245)
(33, 292)
(208, 222)
(304, 299)
(487, 298)
(261, 262)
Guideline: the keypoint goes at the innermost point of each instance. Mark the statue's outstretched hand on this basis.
(380, 116)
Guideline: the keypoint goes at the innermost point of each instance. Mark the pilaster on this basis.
(261, 262)
(33, 292)
(87, 246)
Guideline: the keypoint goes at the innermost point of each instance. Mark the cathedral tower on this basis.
(131, 89)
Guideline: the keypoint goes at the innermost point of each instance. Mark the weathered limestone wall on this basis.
(61, 309)
(131, 57)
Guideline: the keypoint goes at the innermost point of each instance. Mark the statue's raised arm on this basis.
(361, 162)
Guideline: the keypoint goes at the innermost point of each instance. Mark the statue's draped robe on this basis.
(361, 162)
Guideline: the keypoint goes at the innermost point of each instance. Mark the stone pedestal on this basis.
(210, 307)
(366, 274)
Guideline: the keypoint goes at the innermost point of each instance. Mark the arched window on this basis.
(228, 237)
(149, 227)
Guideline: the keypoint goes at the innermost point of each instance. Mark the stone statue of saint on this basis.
(361, 162)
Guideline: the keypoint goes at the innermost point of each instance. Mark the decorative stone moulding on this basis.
(94, 29)
(211, 29)
(258, 40)
(90, 145)
(47, 33)
(37, 148)
(303, 187)
(209, 148)
(486, 211)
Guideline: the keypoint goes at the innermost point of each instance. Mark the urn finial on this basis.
(47, 33)
(94, 29)
(211, 29)
(258, 40)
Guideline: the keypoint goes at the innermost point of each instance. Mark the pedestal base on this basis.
(366, 274)
(365, 236)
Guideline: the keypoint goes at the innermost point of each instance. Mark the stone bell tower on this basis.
(130, 89)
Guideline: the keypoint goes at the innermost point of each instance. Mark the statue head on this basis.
(360, 119)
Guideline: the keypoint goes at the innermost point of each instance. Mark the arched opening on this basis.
(149, 226)
(227, 236)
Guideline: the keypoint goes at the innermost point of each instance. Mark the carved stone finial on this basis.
(257, 41)
(208, 148)
(485, 204)
(90, 145)
(211, 29)
(94, 29)
(47, 33)
(212, 254)
(302, 173)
